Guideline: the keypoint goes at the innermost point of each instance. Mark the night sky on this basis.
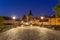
(20, 7)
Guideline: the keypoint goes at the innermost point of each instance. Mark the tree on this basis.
(1, 21)
(57, 10)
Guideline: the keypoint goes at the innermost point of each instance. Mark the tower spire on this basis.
(30, 13)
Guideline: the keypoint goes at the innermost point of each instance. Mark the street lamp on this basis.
(13, 20)
(42, 17)
(13, 17)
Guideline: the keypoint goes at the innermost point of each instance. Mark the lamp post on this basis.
(42, 17)
(13, 20)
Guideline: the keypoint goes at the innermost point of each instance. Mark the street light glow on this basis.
(13, 17)
(42, 17)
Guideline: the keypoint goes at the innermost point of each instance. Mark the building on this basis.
(9, 20)
(48, 20)
(28, 17)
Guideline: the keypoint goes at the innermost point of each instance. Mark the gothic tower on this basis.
(30, 15)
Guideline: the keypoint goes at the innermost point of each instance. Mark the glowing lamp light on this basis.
(13, 17)
(42, 17)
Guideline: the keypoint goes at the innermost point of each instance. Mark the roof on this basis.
(53, 16)
(8, 18)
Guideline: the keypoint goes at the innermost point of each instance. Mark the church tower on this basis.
(30, 15)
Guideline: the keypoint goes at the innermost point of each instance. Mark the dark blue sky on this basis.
(21, 7)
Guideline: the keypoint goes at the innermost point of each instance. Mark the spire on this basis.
(24, 17)
(30, 13)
